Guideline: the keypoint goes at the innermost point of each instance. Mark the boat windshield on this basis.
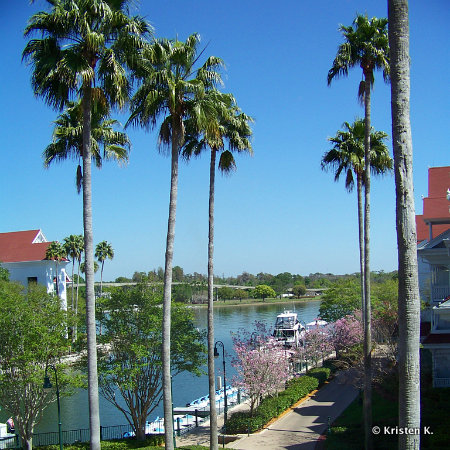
(285, 322)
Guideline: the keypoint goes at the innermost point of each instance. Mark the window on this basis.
(32, 280)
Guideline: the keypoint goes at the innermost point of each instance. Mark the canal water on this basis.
(186, 387)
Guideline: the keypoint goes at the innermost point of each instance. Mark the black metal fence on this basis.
(108, 433)
(70, 436)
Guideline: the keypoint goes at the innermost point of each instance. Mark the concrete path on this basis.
(300, 428)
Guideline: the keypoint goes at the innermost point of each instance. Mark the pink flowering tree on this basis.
(316, 345)
(347, 332)
(261, 363)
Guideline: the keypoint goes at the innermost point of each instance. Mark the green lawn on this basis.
(347, 431)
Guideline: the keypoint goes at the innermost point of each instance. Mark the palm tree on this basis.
(56, 252)
(103, 251)
(68, 138)
(408, 290)
(223, 121)
(83, 44)
(74, 246)
(347, 156)
(171, 86)
(365, 45)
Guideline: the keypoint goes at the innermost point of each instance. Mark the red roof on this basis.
(18, 246)
(436, 205)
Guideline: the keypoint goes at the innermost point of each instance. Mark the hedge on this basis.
(321, 373)
(271, 407)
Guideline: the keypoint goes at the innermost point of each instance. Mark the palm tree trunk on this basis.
(211, 373)
(75, 328)
(94, 414)
(361, 240)
(167, 396)
(56, 278)
(408, 288)
(73, 270)
(367, 404)
(101, 279)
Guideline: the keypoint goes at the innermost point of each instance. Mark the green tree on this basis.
(224, 130)
(340, 299)
(408, 289)
(85, 44)
(299, 290)
(347, 157)
(366, 46)
(32, 335)
(263, 291)
(4, 274)
(182, 293)
(132, 366)
(282, 282)
(241, 294)
(178, 274)
(68, 137)
(103, 251)
(225, 293)
(171, 85)
(56, 252)
(74, 247)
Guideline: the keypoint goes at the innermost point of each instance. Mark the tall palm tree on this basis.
(103, 251)
(366, 46)
(68, 138)
(83, 44)
(170, 89)
(408, 287)
(56, 252)
(223, 122)
(347, 156)
(74, 246)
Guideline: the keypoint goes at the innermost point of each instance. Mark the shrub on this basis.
(321, 373)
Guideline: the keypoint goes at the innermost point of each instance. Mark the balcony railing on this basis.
(441, 382)
(439, 293)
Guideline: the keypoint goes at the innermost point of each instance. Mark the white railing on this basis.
(441, 382)
(438, 293)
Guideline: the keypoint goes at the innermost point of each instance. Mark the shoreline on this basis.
(253, 302)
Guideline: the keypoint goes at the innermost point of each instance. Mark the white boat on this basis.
(317, 323)
(288, 329)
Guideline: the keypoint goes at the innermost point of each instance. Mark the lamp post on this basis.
(216, 354)
(48, 385)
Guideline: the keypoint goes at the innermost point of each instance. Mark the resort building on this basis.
(434, 275)
(22, 253)
(433, 254)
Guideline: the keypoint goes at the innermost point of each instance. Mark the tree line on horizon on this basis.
(279, 282)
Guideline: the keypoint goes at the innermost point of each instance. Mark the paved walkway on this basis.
(300, 428)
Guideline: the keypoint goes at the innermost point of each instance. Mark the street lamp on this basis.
(216, 354)
(48, 385)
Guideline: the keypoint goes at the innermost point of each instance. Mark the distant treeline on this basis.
(280, 283)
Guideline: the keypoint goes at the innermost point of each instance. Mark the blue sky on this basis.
(279, 211)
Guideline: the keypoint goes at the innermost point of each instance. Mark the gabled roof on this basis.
(20, 246)
(438, 241)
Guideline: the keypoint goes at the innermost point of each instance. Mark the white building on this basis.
(22, 253)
